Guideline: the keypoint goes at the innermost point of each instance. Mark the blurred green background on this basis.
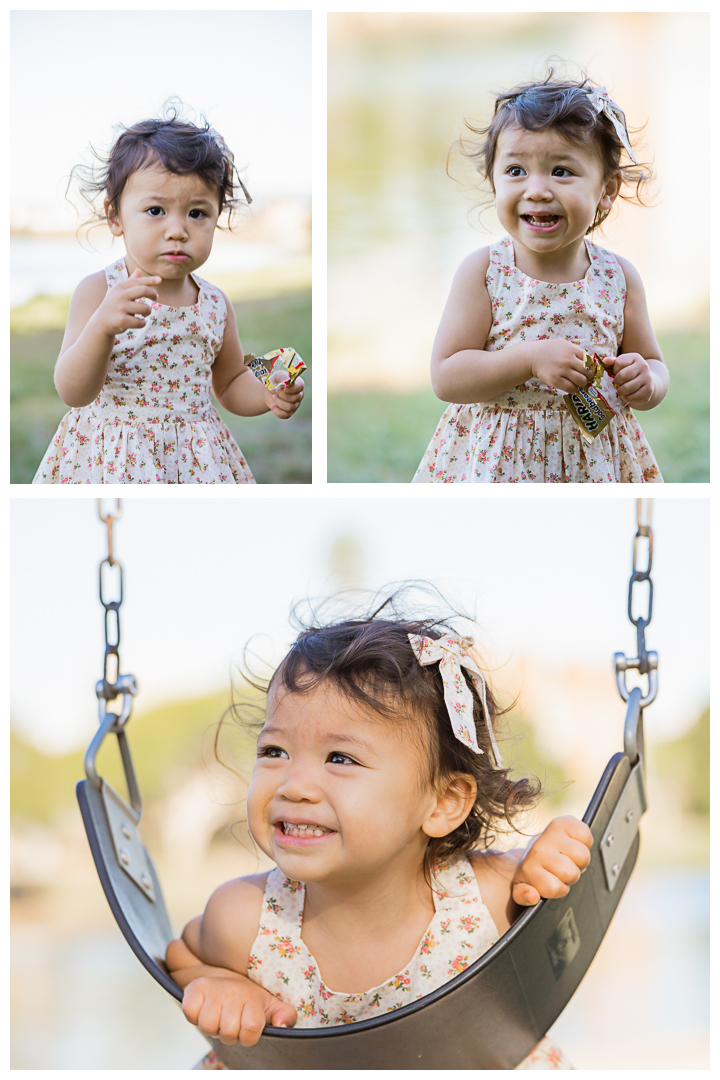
(272, 309)
(399, 226)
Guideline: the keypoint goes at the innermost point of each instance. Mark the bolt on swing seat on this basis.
(493, 1014)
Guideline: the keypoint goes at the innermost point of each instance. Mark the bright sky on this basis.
(76, 74)
(546, 577)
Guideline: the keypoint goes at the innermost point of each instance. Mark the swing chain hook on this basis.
(646, 662)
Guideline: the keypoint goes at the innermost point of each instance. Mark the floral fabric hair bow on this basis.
(453, 656)
(603, 103)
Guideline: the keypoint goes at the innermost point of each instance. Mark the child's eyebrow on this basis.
(337, 739)
(201, 201)
(562, 156)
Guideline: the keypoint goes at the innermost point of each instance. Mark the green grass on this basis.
(278, 452)
(379, 437)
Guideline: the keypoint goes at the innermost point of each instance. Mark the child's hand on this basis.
(559, 364)
(122, 309)
(553, 862)
(632, 377)
(284, 402)
(234, 1009)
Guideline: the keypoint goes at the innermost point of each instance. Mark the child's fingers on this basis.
(291, 392)
(229, 1024)
(525, 895)
(141, 292)
(575, 829)
(547, 883)
(283, 405)
(281, 1013)
(252, 1022)
(563, 867)
(192, 1002)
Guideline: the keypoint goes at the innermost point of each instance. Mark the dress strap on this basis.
(456, 887)
(502, 253)
(116, 273)
(283, 902)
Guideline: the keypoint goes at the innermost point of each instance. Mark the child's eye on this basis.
(336, 758)
(514, 170)
(155, 211)
(198, 214)
(271, 752)
(561, 169)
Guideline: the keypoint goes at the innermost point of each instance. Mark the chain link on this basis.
(644, 533)
(113, 684)
(109, 519)
(645, 662)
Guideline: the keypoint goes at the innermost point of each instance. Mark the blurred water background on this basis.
(398, 225)
(643, 1005)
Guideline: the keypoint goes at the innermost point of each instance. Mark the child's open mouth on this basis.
(540, 221)
(302, 831)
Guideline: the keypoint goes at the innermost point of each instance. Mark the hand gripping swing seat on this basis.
(491, 1015)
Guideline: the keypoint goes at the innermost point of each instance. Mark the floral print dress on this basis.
(460, 932)
(527, 435)
(153, 422)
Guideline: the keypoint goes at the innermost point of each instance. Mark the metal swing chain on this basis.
(646, 662)
(113, 685)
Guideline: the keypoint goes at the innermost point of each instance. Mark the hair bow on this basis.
(603, 103)
(453, 656)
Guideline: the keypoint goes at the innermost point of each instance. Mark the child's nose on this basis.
(176, 227)
(299, 785)
(537, 188)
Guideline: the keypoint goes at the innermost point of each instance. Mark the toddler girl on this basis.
(147, 337)
(377, 790)
(522, 312)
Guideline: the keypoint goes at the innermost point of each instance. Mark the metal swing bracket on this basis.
(619, 836)
(123, 820)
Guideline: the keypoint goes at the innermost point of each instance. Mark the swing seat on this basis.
(489, 1017)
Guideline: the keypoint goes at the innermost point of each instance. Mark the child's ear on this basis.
(610, 191)
(112, 218)
(452, 807)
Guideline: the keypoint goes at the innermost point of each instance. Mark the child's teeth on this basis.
(313, 830)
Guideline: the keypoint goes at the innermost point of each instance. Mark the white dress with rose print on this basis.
(527, 435)
(460, 932)
(153, 422)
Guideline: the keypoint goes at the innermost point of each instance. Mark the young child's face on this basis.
(547, 188)
(168, 222)
(349, 776)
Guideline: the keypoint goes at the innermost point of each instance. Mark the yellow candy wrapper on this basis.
(589, 408)
(271, 363)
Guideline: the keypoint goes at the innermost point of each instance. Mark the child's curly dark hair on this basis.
(175, 144)
(371, 662)
(564, 106)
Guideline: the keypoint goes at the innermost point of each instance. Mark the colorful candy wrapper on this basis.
(263, 367)
(589, 408)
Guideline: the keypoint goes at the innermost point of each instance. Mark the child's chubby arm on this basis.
(237, 389)
(640, 375)
(97, 314)
(463, 371)
(210, 962)
(550, 864)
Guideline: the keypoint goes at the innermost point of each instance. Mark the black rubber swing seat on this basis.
(489, 1017)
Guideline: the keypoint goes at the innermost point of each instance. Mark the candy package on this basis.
(589, 408)
(275, 363)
